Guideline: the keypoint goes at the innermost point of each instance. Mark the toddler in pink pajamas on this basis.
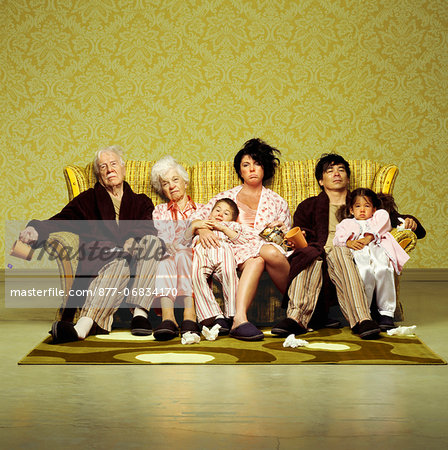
(219, 262)
(375, 251)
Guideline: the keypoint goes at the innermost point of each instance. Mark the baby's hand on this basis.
(356, 245)
(201, 225)
(367, 239)
(220, 226)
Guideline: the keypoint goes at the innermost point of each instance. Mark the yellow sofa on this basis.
(294, 181)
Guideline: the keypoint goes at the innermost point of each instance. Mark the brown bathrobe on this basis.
(100, 234)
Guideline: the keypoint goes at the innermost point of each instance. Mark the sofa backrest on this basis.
(293, 180)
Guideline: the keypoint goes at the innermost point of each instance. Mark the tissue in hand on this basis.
(401, 226)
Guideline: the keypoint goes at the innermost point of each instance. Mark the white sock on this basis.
(140, 312)
(83, 326)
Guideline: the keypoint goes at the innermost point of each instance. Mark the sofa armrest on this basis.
(64, 246)
(406, 238)
(385, 179)
(78, 179)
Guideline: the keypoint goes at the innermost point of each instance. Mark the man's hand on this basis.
(410, 224)
(29, 235)
(130, 246)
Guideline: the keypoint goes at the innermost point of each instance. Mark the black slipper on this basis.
(141, 326)
(286, 327)
(225, 325)
(367, 329)
(165, 331)
(63, 332)
(190, 326)
(246, 332)
(96, 330)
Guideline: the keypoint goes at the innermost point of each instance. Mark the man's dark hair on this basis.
(262, 153)
(327, 160)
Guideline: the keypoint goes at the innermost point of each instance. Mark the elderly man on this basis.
(119, 235)
(316, 267)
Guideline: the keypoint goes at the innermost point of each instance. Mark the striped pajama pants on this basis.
(305, 288)
(107, 291)
(219, 262)
(174, 275)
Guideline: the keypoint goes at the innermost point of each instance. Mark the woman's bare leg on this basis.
(277, 266)
(247, 288)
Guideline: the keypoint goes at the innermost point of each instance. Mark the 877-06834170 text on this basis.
(53, 292)
(141, 292)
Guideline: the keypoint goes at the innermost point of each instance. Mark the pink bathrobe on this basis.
(271, 207)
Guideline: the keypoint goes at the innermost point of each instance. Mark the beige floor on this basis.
(362, 407)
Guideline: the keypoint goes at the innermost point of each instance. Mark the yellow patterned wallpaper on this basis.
(197, 78)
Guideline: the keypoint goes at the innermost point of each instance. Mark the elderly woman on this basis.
(259, 207)
(171, 219)
(114, 226)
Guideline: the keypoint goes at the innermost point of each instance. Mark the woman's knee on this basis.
(272, 255)
(253, 265)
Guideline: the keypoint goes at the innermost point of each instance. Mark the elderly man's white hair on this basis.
(111, 149)
(160, 169)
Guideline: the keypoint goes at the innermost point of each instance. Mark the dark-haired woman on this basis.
(259, 207)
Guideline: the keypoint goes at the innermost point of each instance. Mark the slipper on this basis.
(367, 329)
(63, 332)
(165, 331)
(140, 326)
(225, 325)
(286, 327)
(190, 326)
(97, 330)
(246, 332)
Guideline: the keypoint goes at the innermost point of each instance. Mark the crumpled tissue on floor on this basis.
(402, 331)
(212, 333)
(291, 341)
(190, 338)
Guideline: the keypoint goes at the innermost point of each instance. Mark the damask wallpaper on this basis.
(197, 78)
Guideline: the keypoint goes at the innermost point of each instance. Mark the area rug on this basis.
(325, 346)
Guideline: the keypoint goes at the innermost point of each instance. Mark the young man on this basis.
(316, 267)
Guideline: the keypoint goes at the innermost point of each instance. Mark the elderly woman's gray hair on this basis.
(111, 149)
(161, 168)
